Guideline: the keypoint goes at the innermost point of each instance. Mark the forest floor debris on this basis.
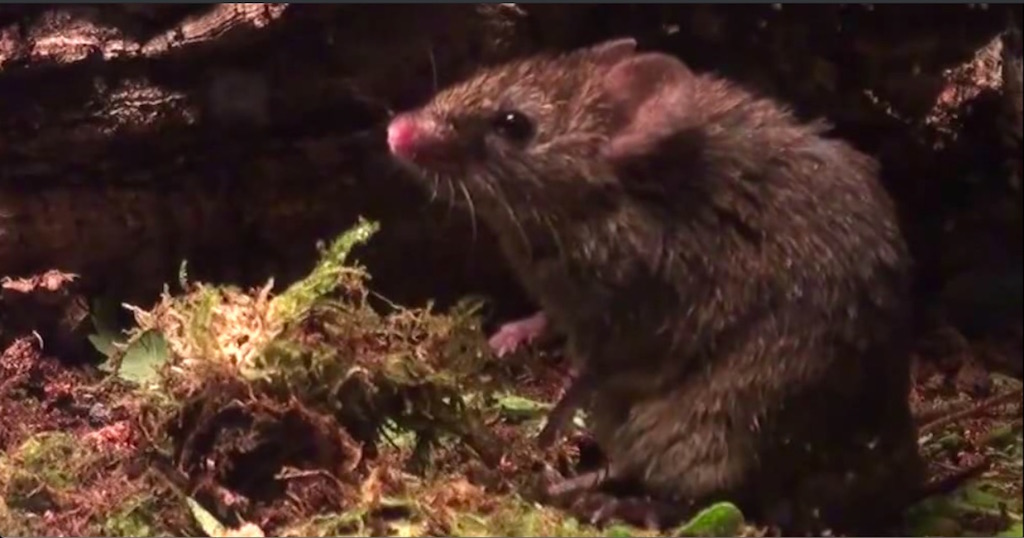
(325, 410)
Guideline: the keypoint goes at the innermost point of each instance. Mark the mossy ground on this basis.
(324, 410)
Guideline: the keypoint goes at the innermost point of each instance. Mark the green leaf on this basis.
(104, 343)
(721, 519)
(619, 531)
(209, 524)
(952, 514)
(142, 360)
(104, 320)
(977, 497)
(520, 407)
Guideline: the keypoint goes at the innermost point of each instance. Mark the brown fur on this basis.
(733, 280)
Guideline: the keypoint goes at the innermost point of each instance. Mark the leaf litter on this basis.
(326, 410)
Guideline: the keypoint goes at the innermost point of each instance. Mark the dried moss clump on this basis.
(284, 400)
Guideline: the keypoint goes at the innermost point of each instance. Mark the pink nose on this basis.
(404, 135)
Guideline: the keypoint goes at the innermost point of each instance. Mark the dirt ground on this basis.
(308, 412)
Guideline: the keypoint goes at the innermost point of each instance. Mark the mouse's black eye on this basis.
(513, 125)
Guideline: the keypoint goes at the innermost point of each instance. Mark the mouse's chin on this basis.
(428, 166)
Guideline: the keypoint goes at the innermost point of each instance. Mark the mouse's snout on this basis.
(401, 133)
(412, 137)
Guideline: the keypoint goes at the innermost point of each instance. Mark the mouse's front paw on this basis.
(511, 335)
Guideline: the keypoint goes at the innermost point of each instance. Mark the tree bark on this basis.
(236, 139)
(236, 135)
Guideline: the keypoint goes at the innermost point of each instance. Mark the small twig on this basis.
(1013, 395)
(940, 410)
(950, 482)
(998, 434)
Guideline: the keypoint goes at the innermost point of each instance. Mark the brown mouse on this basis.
(731, 281)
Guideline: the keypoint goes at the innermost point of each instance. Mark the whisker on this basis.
(559, 246)
(503, 198)
(451, 197)
(434, 187)
(541, 215)
(472, 209)
(547, 221)
(433, 65)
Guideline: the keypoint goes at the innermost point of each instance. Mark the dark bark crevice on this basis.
(230, 134)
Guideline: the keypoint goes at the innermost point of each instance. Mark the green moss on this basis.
(329, 271)
(344, 524)
(35, 476)
(135, 517)
(48, 458)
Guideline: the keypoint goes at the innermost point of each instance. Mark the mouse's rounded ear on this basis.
(612, 51)
(646, 90)
(634, 80)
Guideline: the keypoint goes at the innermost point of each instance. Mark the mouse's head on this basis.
(545, 124)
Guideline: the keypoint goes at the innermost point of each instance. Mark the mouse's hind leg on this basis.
(708, 436)
(825, 437)
(696, 443)
(679, 445)
(589, 498)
